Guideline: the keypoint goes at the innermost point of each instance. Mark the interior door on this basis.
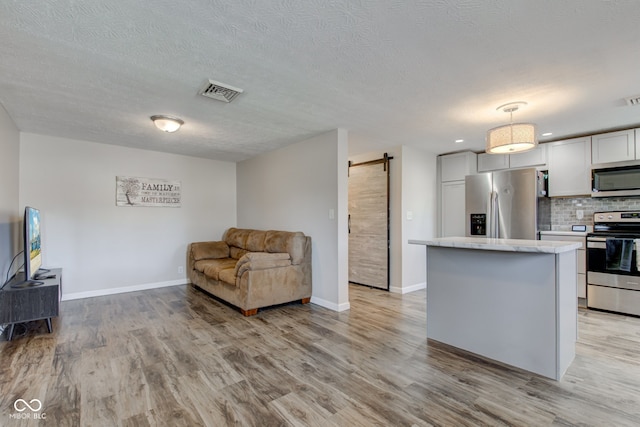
(369, 223)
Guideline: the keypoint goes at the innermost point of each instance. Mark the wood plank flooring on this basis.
(177, 357)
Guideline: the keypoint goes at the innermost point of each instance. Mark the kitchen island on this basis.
(513, 301)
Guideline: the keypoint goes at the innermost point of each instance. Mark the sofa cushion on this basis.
(228, 276)
(286, 241)
(209, 250)
(237, 253)
(255, 241)
(212, 267)
(237, 237)
(251, 240)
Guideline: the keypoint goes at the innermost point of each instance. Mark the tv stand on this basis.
(26, 303)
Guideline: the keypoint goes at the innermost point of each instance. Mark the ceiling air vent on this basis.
(633, 100)
(221, 92)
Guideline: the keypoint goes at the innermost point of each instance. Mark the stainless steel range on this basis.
(613, 273)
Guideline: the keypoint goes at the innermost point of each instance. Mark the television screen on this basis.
(32, 242)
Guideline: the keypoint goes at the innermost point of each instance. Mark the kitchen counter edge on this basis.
(505, 245)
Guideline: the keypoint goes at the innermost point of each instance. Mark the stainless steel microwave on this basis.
(616, 180)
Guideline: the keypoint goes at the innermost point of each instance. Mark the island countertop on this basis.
(505, 245)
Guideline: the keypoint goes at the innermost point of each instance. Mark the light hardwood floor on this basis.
(175, 356)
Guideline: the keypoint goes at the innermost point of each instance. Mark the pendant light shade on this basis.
(167, 123)
(511, 138)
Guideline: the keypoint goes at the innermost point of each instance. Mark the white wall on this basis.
(294, 189)
(419, 198)
(10, 224)
(107, 249)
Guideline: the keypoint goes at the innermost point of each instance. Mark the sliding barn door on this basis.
(369, 223)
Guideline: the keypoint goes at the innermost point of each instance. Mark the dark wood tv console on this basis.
(24, 304)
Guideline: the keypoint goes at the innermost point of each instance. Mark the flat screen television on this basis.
(32, 243)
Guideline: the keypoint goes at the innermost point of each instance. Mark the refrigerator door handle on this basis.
(489, 220)
(495, 217)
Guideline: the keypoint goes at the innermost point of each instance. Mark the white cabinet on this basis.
(613, 147)
(454, 167)
(536, 157)
(581, 254)
(570, 167)
(492, 162)
(452, 209)
(531, 158)
(452, 170)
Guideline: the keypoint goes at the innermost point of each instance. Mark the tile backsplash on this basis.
(563, 210)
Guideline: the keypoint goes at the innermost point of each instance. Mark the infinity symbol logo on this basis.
(26, 405)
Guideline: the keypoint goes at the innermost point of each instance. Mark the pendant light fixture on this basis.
(167, 123)
(514, 137)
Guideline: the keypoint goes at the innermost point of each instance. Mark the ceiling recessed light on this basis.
(458, 141)
(547, 134)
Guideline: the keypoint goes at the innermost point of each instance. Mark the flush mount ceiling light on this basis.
(511, 138)
(167, 123)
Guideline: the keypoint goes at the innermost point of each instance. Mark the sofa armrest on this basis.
(261, 261)
(209, 250)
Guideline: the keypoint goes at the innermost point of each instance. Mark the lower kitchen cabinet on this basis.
(582, 258)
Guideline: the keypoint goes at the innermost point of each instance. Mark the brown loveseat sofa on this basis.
(253, 268)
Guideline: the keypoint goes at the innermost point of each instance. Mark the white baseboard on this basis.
(330, 305)
(407, 289)
(112, 291)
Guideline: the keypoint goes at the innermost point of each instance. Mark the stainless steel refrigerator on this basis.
(511, 204)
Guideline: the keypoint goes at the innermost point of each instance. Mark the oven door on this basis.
(599, 272)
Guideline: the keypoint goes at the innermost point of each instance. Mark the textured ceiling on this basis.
(419, 73)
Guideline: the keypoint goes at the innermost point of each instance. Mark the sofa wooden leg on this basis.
(305, 300)
(248, 313)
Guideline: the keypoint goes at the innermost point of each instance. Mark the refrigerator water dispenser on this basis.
(478, 224)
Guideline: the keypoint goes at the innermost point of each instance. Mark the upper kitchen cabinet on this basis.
(533, 158)
(614, 147)
(570, 167)
(454, 167)
(492, 162)
(536, 157)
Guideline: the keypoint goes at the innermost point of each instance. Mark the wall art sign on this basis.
(136, 191)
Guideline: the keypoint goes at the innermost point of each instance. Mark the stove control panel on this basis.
(618, 216)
